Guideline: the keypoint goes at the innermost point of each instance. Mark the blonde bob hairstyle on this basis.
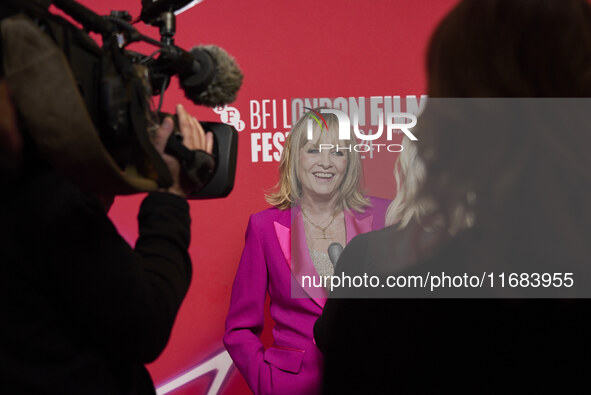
(409, 173)
(288, 190)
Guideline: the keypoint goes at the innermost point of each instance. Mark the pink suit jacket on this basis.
(293, 365)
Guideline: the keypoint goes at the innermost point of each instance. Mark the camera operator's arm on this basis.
(163, 221)
(122, 301)
(10, 139)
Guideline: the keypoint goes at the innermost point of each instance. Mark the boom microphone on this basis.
(218, 78)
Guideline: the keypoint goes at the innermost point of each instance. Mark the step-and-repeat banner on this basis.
(364, 56)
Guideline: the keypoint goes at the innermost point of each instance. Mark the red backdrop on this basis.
(286, 49)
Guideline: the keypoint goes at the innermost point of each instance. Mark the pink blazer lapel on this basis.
(298, 258)
(302, 266)
(356, 226)
(284, 237)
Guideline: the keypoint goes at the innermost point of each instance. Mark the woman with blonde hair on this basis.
(409, 173)
(317, 202)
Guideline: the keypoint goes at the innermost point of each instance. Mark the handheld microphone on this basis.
(334, 252)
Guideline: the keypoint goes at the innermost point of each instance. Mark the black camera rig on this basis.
(116, 86)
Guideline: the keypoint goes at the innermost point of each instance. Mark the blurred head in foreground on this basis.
(520, 167)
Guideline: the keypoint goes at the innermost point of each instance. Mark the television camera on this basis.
(99, 98)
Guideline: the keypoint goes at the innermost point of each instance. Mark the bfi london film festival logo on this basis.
(230, 116)
(344, 124)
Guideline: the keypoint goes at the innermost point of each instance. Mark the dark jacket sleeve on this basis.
(123, 299)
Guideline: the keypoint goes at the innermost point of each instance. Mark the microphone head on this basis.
(226, 81)
(334, 252)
